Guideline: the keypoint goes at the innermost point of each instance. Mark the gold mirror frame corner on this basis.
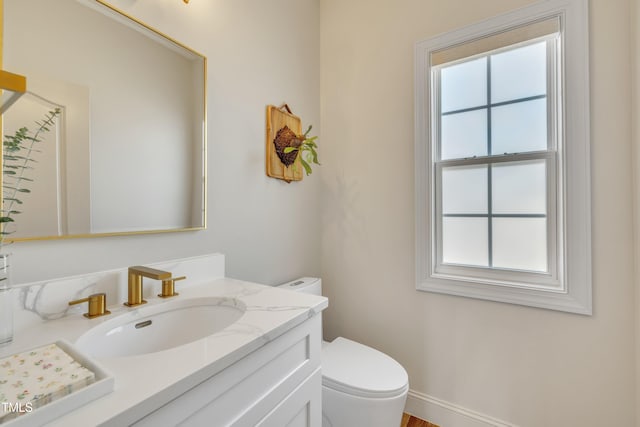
(122, 14)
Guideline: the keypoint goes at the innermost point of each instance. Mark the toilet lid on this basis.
(356, 369)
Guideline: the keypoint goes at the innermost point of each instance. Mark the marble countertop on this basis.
(146, 382)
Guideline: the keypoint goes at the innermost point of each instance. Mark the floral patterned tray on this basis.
(41, 384)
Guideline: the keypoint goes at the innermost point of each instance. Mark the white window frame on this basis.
(567, 286)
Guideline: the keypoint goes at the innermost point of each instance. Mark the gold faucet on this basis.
(136, 274)
(97, 305)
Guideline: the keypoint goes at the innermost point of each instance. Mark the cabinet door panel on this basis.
(302, 408)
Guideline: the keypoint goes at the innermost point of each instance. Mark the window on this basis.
(502, 159)
(495, 157)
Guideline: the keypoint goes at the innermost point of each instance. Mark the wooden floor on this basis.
(411, 421)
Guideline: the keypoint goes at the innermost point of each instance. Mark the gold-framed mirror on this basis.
(127, 154)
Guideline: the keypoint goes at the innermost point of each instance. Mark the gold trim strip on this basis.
(148, 27)
(81, 236)
(205, 135)
(13, 82)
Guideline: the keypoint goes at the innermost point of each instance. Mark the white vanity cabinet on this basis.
(263, 369)
(278, 384)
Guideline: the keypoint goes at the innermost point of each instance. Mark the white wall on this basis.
(259, 53)
(526, 366)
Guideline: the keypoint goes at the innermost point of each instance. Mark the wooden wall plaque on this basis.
(277, 119)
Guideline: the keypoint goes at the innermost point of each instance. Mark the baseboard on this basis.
(447, 414)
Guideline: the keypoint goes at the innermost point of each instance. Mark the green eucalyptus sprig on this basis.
(17, 151)
(307, 148)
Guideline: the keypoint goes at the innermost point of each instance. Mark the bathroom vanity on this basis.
(262, 369)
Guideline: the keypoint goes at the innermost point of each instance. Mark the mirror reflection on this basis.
(127, 153)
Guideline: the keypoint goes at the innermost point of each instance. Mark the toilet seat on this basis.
(358, 370)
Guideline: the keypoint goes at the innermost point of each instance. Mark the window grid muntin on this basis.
(493, 105)
(489, 171)
(551, 164)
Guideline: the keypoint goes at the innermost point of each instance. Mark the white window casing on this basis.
(566, 285)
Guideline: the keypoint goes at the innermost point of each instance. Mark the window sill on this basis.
(541, 298)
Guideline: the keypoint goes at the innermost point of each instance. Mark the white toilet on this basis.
(361, 386)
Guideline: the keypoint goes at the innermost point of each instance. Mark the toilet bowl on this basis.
(361, 386)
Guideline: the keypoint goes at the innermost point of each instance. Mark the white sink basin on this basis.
(160, 327)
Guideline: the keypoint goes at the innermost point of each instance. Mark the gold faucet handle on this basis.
(168, 287)
(97, 305)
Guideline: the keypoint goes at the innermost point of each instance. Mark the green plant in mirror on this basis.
(17, 152)
(307, 148)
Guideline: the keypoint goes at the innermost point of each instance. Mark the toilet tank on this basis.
(308, 285)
